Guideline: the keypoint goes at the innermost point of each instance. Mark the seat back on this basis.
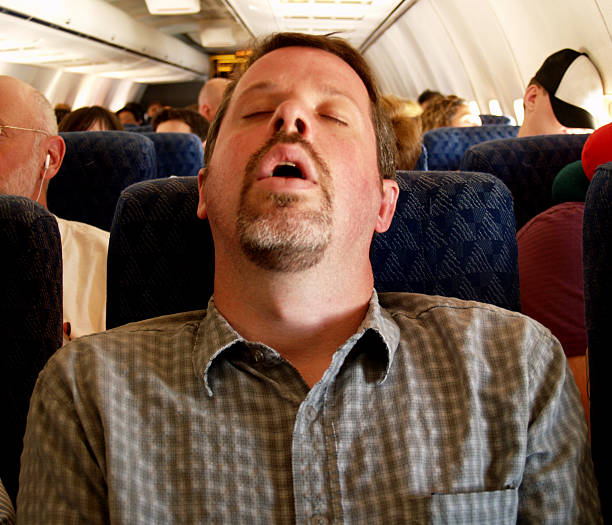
(179, 154)
(144, 128)
(527, 165)
(446, 146)
(597, 267)
(488, 120)
(96, 167)
(30, 316)
(452, 235)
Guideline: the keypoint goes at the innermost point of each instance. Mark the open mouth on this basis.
(288, 170)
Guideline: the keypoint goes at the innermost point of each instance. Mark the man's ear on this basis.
(390, 193)
(202, 213)
(56, 149)
(529, 99)
(205, 111)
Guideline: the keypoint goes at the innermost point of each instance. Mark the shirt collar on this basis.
(215, 335)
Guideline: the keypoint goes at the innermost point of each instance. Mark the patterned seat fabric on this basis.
(30, 316)
(161, 257)
(527, 165)
(597, 267)
(144, 128)
(179, 154)
(488, 120)
(452, 235)
(446, 146)
(96, 167)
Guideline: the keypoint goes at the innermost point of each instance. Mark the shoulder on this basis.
(555, 219)
(468, 326)
(82, 230)
(415, 305)
(136, 346)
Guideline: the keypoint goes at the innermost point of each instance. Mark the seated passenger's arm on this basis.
(62, 466)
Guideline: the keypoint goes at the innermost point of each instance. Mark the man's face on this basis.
(18, 163)
(295, 162)
(127, 117)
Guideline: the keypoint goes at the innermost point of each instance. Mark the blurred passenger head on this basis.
(385, 138)
(132, 113)
(180, 121)
(31, 151)
(61, 110)
(428, 96)
(210, 97)
(90, 118)
(154, 108)
(564, 96)
(446, 111)
(406, 122)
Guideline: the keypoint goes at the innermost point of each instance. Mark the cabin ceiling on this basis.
(226, 25)
(214, 28)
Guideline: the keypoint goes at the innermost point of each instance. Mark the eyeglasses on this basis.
(22, 129)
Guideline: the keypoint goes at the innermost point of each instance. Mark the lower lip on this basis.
(278, 184)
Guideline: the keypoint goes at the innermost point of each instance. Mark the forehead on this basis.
(290, 67)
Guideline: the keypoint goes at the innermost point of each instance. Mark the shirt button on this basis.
(319, 520)
(311, 413)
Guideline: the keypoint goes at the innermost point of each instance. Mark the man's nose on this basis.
(291, 117)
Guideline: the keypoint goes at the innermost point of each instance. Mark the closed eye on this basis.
(256, 114)
(334, 119)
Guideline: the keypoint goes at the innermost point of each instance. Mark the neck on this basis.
(304, 316)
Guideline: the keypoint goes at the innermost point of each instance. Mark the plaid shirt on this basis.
(435, 411)
(7, 513)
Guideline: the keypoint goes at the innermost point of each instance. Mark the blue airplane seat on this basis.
(421, 164)
(179, 154)
(527, 165)
(30, 316)
(488, 120)
(143, 128)
(96, 167)
(446, 146)
(453, 235)
(597, 269)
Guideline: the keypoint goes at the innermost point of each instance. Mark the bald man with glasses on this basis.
(31, 153)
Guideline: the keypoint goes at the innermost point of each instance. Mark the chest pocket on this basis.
(475, 508)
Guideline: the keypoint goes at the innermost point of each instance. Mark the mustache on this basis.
(281, 137)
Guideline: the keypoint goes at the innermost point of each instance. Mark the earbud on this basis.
(42, 179)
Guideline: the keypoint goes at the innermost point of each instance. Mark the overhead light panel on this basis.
(173, 7)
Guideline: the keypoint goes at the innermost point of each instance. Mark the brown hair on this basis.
(197, 123)
(83, 118)
(406, 122)
(385, 139)
(440, 112)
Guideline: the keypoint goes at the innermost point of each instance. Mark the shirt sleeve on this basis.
(558, 484)
(62, 466)
(7, 513)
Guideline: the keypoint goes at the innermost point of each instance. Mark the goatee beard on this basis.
(284, 237)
